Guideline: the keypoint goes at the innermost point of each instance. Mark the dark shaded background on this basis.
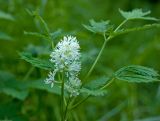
(124, 101)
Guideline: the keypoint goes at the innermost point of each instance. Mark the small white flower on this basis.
(74, 68)
(75, 82)
(50, 79)
(72, 86)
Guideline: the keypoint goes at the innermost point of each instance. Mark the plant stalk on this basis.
(66, 110)
(99, 55)
(62, 100)
(102, 48)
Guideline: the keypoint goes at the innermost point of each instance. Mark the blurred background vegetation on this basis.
(123, 102)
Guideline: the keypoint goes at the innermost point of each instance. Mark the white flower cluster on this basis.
(66, 59)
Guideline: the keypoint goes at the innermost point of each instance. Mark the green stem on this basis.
(62, 100)
(99, 55)
(52, 45)
(46, 29)
(102, 48)
(123, 22)
(28, 73)
(65, 113)
(108, 83)
(80, 102)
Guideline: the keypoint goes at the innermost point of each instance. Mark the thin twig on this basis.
(65, 113)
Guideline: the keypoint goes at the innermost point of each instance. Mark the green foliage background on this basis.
(24, 97)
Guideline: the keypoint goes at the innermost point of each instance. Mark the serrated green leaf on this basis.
(43, 64)
(135, 73)
(145, 27)
(10, 86)
(97, 84)
(93, 92)
(98, 27)
(4, 36)
(6, 16)
(137, 14)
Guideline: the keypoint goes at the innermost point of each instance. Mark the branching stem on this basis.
(102, 48)
(99, 55)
